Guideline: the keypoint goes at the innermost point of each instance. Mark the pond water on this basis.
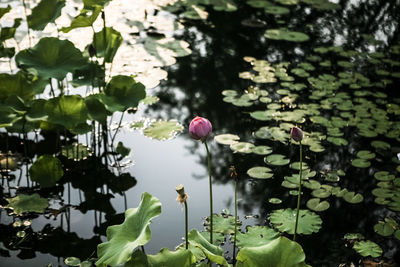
(255, 69)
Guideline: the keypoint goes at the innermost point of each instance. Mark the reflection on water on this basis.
(93, 196)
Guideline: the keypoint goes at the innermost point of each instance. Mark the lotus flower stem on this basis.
(211, 196)
(234, 237)
(186, 225)
(299, 193)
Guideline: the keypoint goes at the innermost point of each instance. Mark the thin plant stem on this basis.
(26, 17)
(118, 127)
(299, 193)
(236, 218)
(186, 225)
(211, 196)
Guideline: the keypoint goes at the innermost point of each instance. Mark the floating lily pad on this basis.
(284, 34)
(27, 203)
(133, 232)
(384, 176)
(277, 160)
(255, 236)
(276, 10)
(262, 150)
(360, 163)
(337, 141)
(365, 154)
(280, 252)
(353, 236)
(353, 198)
(380, 145)
(386, 228)
(227, 139)
(321, 193)
(296, 165)
(316, 204)
(368, 248)
(46, 170)
(242, 147)
(275, 200)
(163, 130)
(222, 224)
(284, 221)
(260, 172)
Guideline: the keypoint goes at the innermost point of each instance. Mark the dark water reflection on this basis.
(194, 87)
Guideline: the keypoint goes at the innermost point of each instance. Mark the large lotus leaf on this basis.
(212, 252)
(106, 43)
(68, 111)
(4, 10)
(9, 32)
(20, 84)
(125, 91)
(280, 252)
(368, 248)
(165, 258)
(285, 220)
(133, 232)
(27, 203)
(86, 18)
(46, 170)
(255, 236)
(163, 130)
(96, 109)
(51, 58)
(222, 224)
(45, 12)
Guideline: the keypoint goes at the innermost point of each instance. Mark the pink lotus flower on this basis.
(296, 134)
(200, 128)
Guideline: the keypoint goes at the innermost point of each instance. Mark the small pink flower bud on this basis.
(296, 134)
(200, 128)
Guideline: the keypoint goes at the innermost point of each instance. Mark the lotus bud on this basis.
(200, 128)
(182, 196)
(296, 134)
(232, 172)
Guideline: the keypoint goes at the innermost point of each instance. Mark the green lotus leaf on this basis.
(380, 145)
(260, 172)
(383, 192)
(46, 170)
(20, 84)
(368, 248)
(321, 193)
(353, 236)
(284, 220)
(277, 160)
(353, 198)
(122, 150)
(262, 150)
(123, 91)
(284, 34)
(224, 224)
(227, 139)
(92, 3)
(337, 141)
(272, 133)
(212, 252)
(386, 228)
(27, 203)
(165, 258)
(163, 130)
(76, 152)
(296, 165)
(360, 163)
(66, 110)
(276, 10)
(9, 32)
(316, 204)
(384, 176)
(106, 43)
(312, 184)
(288, 2)
(262, 115)
(255, 236)
(365, 154)
(45, 12)
(133, 232)
(72, 261)
(51, 58)
(242, 147)
(86, 18)
(280, 252)
(96, 109)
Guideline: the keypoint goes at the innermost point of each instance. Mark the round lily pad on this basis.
(368, 248)
(384, 176)
(316, 204)
(380, 145)
(163, 130)
(262, 150)
(242, 147)
(365, 154)
(296, 165)
(284, 220)
(321, 193)
(386, 228)
(260, 172)
(284, 34)
(277, 160)
(72, 261)
(255, 236)
(227, 139)
(353, 198)
(360, 163)
(275, 200)
(27, 203)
